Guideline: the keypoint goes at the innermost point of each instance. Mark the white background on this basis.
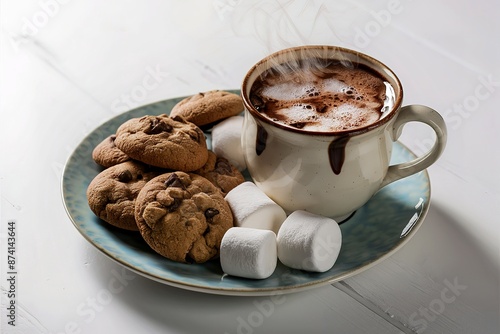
(69, 65)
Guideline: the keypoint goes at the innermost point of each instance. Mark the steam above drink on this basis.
(322, 95)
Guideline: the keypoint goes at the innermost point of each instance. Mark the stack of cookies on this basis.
(160, 179)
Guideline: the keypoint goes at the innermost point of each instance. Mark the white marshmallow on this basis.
(248, 252)
(309, 242)
(226, 141)
(253, 208)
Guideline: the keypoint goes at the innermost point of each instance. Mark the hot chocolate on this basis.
(320, 122)
(322, 95)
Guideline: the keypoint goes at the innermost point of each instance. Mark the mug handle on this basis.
(417, 113)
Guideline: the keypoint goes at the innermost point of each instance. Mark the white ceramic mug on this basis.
(330, 173)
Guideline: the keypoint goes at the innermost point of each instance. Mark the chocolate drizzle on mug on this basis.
(336, 153)
(260, 141)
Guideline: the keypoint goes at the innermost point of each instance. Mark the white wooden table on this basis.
(67, 66)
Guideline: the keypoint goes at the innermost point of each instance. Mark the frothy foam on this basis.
(329, 98)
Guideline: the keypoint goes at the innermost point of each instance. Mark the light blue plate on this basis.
(375, 231)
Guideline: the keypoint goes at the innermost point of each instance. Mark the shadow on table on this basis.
(177, 310)
(443, 273)
(441, 247)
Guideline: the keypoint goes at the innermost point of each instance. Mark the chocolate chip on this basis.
(207, 230)
(210, 213)
(175, 205)
(174, 181)
(223, 167)
(158, 126)
(125, 176)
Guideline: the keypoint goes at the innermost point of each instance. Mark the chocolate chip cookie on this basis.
(209, 107)
(221, 173)
(162, 141)
(183, 217)
(107, 154)
(112, 193)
